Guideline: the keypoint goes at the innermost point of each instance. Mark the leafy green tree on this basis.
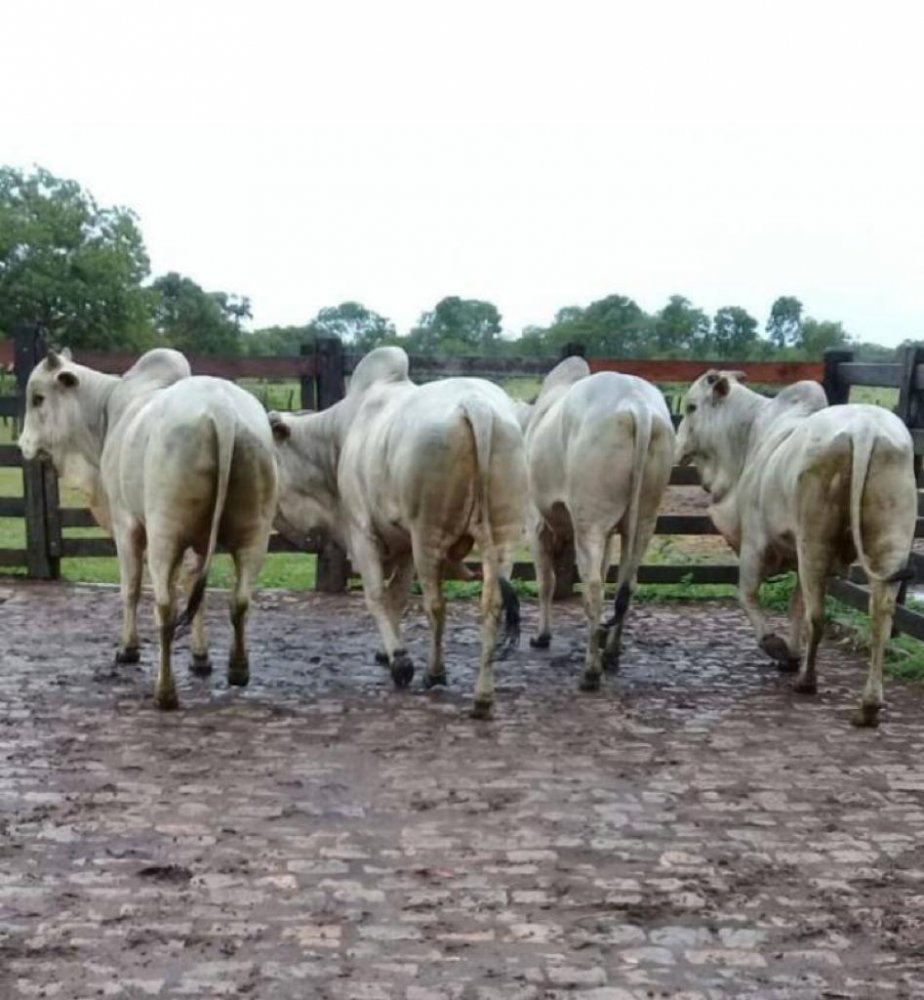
(277, 341)
(614, 326)
(195, 321)
(457, 326)
(679, 328)
(784, 326)
(734, 333)
(70, 264)
(355, 325)
(816, 336)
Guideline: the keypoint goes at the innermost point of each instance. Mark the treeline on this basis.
(82, 271)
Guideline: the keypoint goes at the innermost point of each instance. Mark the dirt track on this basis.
(695, 831)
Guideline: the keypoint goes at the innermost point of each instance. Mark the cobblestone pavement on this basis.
(694, 831)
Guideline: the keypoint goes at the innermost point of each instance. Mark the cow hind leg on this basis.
(812, 587)
(881, 609)
(544, 556)
(164, 562)
(368, 561)
(589, 552)
(491, 604)
(200, 662)
(397, 591)
(247, 565)
(429, 573)
(130, 549)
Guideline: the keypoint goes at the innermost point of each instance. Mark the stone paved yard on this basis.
(695, 831)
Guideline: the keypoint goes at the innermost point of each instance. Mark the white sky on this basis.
(533, 154)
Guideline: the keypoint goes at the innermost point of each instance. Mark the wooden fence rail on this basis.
(323, 370)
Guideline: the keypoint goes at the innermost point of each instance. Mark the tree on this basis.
(457, 326)
(69, 264)
(734, 332)
(192, 320)
(355, 325)
(277, 341)
(614, 326)
(680, 328)
(816, 336)
(784, 325)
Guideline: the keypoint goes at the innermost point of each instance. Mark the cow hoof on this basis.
(590, 681)
(435, 680)
(866, 717)
(610, 659)
(381, 657)
(483, 708)
(200, 664)
(805, 685)
(167, 701)
(239, 672)
(541, 641)
(402, 669)
(131, 654)
(776, 648)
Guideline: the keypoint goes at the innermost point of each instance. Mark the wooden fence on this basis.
(322, 371)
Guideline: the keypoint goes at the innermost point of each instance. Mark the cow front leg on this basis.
(544, 558)
(797, 628)
(130, 549)
(367, 559)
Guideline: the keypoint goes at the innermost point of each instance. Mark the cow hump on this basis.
(384, 364)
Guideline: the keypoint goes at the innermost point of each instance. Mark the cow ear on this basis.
(281, 430)
(739, 376)
(52, 360)
(66, 354)
(720, 388)
(68, 379)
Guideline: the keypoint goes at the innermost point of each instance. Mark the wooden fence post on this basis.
(910, 409)
(39, 483)
(307, 382)
(836, 389)
(330, 381)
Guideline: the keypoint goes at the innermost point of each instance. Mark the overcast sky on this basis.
(536, 155)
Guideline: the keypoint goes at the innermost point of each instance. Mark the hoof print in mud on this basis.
(402, 669)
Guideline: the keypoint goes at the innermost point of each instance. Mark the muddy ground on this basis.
(694, 831)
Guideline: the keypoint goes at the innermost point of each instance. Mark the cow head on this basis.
(710, 431)
(306, 461)
(54, 424)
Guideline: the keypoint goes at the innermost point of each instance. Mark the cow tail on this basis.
(631, 557)
(480, 417)
(862, 447)
(224, 436)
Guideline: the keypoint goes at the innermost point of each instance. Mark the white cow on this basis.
(796, 484)
(600, 449)
(406, 477)
(170, 463)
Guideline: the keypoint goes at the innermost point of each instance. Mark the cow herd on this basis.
(409, 478)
